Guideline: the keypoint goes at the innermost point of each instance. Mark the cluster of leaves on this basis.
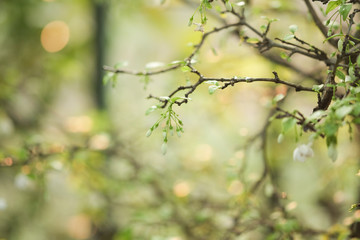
(344, 111)
(324, 122)
(342, 9)
(207, 4)
(170, 122)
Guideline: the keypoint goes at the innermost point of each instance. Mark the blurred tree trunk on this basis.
(98, 88)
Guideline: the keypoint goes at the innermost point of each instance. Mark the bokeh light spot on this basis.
(243, 132)
(25, 169)
(7, 161)
(357, 214)
(240, 154)
(181, 189)
(339, 197)
(80, 124)
(55, 36)
(204, 152)
(3, 204)
(291, 206)
(235, 187)
(99, 141)
(79, 227)
(175, 238)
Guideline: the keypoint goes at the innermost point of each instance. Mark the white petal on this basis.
(302, 152)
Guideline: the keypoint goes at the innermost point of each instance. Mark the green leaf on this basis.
(332, 152)
(358, 60)
(354, 206)
(164, 148)
(252, 40)
(207, 4)
(278, 98)
(356, 110)
(212, 82)
(166, 98)
(340, 45)
(213, 88)
(317, 88)
(280, 138)
(108, 76)
(152, 65)
(185, 69)
(120, 64)
(288, 37)
(283, 55)
(343, 111)
(335, 35)
(355, 90)
(151, 109)
(293, 28)
(316, 115)
(344, 10)
(340, 74)
(332, 5)
(228, 6)
(273, 20)
(352, 71)
(288, 123)
(177, 62)
(263, 28)
(330, 129)
(178, 132)
(146, 80)
(342, 84)
(191, 21)
(148, 133)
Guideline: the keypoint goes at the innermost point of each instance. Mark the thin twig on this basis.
(319, 24)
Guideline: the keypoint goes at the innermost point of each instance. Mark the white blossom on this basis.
(199, 27)
(348, 78)
(302, 152)
(23, 182)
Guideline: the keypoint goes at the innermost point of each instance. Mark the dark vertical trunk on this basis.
(98, 88)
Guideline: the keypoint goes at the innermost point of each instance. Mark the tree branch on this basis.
(319, 24)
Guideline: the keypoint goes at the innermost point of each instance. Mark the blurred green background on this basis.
(75, 162)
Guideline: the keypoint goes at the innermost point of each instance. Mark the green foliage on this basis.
(230, 184)
(342, 9)
(204, 5)
(354, 206)
(287, 124)
(293, 28)
(214, 85)
(332, 5)
(169, 120)
(110, 77)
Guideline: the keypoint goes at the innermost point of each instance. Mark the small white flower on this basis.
(241, 4)
(199, 27)
(302, 152)
(23, 182)
(348, 78)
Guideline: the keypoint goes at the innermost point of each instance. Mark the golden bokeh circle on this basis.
(55, 36)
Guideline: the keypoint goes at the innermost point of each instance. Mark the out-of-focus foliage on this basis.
(71, 171)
